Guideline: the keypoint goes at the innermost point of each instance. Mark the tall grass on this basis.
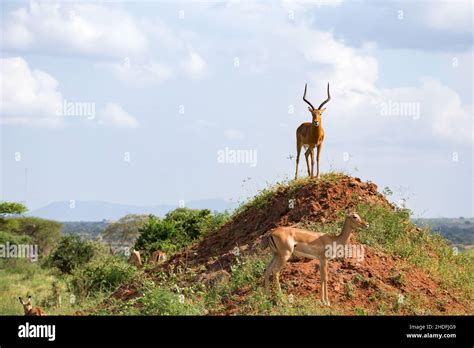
(23, 278)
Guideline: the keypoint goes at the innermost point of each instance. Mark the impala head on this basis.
(26, 305)
(356, 220)
(316, 112)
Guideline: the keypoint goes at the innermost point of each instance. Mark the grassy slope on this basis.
(390, 232)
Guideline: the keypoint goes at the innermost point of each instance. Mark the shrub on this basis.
(162, 301)
(103, 274)
(178, 229)
(70, 253)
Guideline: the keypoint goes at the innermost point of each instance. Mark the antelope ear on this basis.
(21, 301)
(322, 110)
(309, 108)
(29, 299)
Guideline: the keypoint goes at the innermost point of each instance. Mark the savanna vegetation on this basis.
(85, 274)
(76, 274)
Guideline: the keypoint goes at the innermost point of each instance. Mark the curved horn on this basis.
(324, 102)
(304, 96)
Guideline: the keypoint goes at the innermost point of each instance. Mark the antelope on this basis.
(30, 310)
(311, 135)
(157, 257)
(285, 241)
(135, 259)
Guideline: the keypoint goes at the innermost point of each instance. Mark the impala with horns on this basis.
(311, 135)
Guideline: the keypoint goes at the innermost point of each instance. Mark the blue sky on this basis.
(172, 84)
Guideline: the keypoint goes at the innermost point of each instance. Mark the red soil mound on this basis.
(316, 201)
(321, 202)
(375, 280)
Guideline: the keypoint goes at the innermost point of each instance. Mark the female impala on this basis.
(311, 135)
(30, 310)
(285, 241)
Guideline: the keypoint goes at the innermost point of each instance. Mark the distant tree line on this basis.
(457, 230)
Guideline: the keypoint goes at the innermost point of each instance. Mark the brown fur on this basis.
(286, 241)
(30, 310)
(157, 257)
(311, 135)
(135, 259)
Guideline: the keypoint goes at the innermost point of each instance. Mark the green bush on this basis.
(70, 253)
(178, 229)
(162, 301)
(100, 275)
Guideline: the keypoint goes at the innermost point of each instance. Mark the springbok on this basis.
(311, 135)
(285, 241)
(30, 310)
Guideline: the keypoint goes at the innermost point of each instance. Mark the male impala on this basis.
(311, 135)
(285, 241)
(30, 310)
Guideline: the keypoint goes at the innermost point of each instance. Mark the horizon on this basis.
(146, 103)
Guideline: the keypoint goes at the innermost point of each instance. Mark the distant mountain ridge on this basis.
(98, 211)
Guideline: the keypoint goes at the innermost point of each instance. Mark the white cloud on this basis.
(28, 96)
(31, 97)
(108, 33)
(434, 111)
(305, 4)
(75, 28)
(455, 15)
(451, 119)
(195, 66)
(315, 54)
(140, 73)
(352, 72)
(113, 114)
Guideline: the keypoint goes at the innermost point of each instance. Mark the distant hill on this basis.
(98, 211)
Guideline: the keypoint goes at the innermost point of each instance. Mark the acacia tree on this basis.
(8, 226)
(21, 230)
(7, 208)
(126, 229)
